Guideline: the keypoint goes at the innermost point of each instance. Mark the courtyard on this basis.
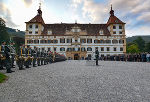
(79, 81)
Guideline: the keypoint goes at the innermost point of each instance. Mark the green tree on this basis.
(3, 33)
(133, 48)
(140, 43)
(147, 47)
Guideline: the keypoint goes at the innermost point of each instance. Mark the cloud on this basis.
(6, 15)
(144, 17)
(132, 12)
(94, 11)
(143, 30)
(28, 3)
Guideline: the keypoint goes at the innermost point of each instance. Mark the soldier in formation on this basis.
(140, 57)
(24, 57)
(5, 52)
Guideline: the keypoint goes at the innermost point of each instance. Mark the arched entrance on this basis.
(76, 56)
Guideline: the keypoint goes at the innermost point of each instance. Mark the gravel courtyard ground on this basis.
(77, 81)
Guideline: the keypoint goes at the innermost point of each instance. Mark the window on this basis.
(78, 49)
(120, 27)
(101, 32)
(30, 32)
(83, 49)
(114, 27)
(89, 40)
(36, 41)
(108, 49)
(114, 41)
(36, 32)
(36, 26)
(55, 48)
(101, 41)
(83, 40)
(108, 41)
(55, 41)
(42, 41)
(121, 48)
(62, 49)
(49, 41)
(96, 41)
(102, 48)
(120, 32)
(69, 49)
(76, 30)
(69, 40)
(121, 41)
(46, 41)
(115, 49)
(62, 40)
(30, 26)
(76, 40)
(114, 32)
(89, 49)
(49, 32)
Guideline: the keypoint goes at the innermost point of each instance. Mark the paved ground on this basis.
(76, 81)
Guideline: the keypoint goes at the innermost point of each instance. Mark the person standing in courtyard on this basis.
(13, 52)
(7, 61)
(148, 57)
(97, 56)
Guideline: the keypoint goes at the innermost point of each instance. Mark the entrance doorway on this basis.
(76, 56)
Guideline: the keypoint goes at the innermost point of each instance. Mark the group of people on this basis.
(25, 57)
(140, 57)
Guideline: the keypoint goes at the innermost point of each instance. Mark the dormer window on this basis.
(30, 26)
(49, 32)
(101, 32)
(76, 30)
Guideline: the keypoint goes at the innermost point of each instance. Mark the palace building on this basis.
(75, 40)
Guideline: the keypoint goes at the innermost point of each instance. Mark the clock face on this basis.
(116, 21)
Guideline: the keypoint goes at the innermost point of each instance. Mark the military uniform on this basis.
(45, 58)
(34, 53)
(27, 57)
(38, 57)
(97, 56)
(12, 48)
(20, 58)
(2, 57)
(7, 61)
(50, 57)
(42, 57)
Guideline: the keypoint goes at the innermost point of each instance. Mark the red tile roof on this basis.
(114, 20)
(60, 29)
(37, 19)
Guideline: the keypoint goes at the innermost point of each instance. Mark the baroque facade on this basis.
(77, 41)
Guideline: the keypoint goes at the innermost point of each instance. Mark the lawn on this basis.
(2, 77)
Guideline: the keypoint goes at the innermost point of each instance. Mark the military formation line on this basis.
(140, 57)
(25, 57)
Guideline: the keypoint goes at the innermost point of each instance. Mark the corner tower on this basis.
(35, 26)
(117, 29)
